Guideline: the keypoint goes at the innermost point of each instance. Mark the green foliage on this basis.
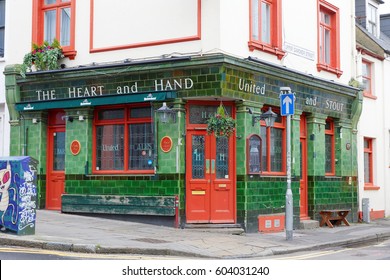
(42, 57)
(221, 124)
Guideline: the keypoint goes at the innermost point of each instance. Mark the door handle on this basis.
(207, 166)
(212, 166)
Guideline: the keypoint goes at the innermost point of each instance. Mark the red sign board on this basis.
(75, 147)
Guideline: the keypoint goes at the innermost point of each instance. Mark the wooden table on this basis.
(338, 215)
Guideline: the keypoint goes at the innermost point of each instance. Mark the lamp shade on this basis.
(166, 114)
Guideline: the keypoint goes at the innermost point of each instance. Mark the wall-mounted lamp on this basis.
(67, 118)
(166, 114)
(81, 118)
(269, 117)
(35, 120)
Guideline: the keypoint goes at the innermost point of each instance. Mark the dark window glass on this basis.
(141, 147)
(109, 147)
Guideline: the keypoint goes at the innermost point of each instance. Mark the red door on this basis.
(55, 182)
(210, 189)
(303, 181)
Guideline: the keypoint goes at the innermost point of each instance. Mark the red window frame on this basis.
(330, 131)
(280, 123)
(275, 45)
(368, 145)
(368, 92)
(38, 23)
(125, 121)
(334, 28)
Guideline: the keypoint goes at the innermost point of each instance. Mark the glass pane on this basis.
(109, 147)
(198, 164)
(200, 114)
(327, 46)
(111, 114)
(59, 151)
(366, 144)
(222, 158)
(141, 147)
(366, 84)
(65, 27)
(265, 23)
(255, 20)
(276, 149)
(328, 153)
(144, 112)
(263, 135)
(48, 2)
(367, 178)
(50, 26)
(254, 154)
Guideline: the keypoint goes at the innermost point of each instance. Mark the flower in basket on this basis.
(43, 57)
(221, 124)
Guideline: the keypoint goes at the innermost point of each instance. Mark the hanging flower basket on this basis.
(221, 124)
(42, 57)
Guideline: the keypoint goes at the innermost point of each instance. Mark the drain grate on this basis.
(151, 240)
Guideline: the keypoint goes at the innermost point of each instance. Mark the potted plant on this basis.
(42, 57)
(221, 123)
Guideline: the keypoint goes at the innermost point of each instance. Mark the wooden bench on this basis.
(122, 205)
(338, 215)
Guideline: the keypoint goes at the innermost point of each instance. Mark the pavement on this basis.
(86, 234)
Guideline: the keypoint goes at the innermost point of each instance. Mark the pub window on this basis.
(124, 140)
(329, 148)
(273, 146)
(254, 154)
(328, 38)
(55, 19)
(266, 26)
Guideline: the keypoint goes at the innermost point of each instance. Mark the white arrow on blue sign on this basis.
(287, 104)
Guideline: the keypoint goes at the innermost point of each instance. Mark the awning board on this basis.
(95, 101)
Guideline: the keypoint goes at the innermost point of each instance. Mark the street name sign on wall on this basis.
(287, 104)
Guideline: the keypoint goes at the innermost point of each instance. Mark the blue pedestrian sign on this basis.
(287, 104)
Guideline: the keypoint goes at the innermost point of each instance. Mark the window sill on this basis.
(370, 96)
(371, 187)
(328, 68)
(71, 54)
(266, 48)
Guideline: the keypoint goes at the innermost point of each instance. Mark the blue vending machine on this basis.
(18, 194)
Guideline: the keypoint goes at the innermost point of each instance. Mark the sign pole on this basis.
(287, 100)
(289, 196)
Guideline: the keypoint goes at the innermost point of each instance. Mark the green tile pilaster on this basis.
(316, 144)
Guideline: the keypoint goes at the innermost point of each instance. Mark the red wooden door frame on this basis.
(55, 179)
(304, 212)
(218, 204)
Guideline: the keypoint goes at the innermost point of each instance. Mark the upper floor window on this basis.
(328, 38)
(329, 148)
(372, 20)
(55, 19)
(2, 27)
(265, 26)
(367, 79)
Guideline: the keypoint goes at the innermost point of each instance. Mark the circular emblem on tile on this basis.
(75, 147)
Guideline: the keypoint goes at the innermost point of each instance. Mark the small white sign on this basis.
(299, 51)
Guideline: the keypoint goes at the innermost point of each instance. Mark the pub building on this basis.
(103, 148)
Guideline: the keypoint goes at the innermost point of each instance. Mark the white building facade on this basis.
(196, 54)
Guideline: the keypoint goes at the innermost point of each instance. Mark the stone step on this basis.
(309, 224)
(234, 229)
